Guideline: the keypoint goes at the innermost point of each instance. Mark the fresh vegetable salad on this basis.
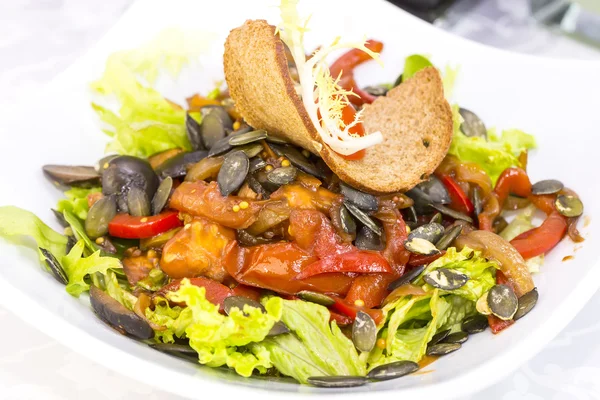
(208, 237)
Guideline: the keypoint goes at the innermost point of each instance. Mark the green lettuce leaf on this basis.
(493, 155)
(481, 272)
(414, 64)
(218, 339)
(146, 123)
(315, 348)
(404, 342)
(460, 308)
(79, 232)
(78, 268)
(76, 201)
(16, 222)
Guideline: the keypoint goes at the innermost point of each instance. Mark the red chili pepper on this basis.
(542, 239)
(497, 324)
(361, 262)
(346, 64)
(418, 259)
(512, 181)
(460, 201)
(344, 308)
(128, 227)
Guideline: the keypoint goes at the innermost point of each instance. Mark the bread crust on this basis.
(414, 118)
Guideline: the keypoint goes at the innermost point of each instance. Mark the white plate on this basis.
(555, 100)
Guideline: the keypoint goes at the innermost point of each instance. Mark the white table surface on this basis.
(40, 38)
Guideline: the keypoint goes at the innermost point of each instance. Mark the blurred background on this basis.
(41, 38)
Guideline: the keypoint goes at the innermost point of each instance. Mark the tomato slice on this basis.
(542, 239)
(127, 227)
(216, 292)
(460, 201)
(360, 262)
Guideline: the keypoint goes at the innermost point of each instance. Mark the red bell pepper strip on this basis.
(460, 201)
(346, 63)
(419, 259)
(350, 310)
(128, 227)
(340, 320)
(497, 324)
(370, 289)
(247, 291)
(542, 239)
(361, 262)
(511, 180)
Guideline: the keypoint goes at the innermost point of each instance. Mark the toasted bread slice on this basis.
(414, 118)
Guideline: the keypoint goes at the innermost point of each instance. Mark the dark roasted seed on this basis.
(279, 328)
(477, 201)
(239, 302)
(428, 192)
(99, 215)
(251, 150)
(363, 218)
(60, 218)
(221, 113)
(408, 277)
(441, 349)
(475, 324)
(233, 172)
(366, 239)
(177, 166)
(503, 301)
(248, 137)
(472, 125)
(569, 206)
(431, 232)
(161, 197)
(315, 297)
(445, 279)
(72, 175)
(548, 186)
(257, 187)
(449, 237)
(193, 129)
(436, 219)
(420, 246)
(337, 381)
(173, 348)
(452, 213)
(282, 176)
(348, 224)
(526, 303)
(55, 268)
(364, 332)
(256, 164)
(137, 202)
(212, 129)
(376, 90)
(393, 370)
(220, 147)
(297, 159)
(362, 200)
(457, 337)
(439, 337)
(276, 139)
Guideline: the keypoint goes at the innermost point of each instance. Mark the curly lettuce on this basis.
(76, 201)
(218, 339)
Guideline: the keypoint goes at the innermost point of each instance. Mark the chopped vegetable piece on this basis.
(128, 227)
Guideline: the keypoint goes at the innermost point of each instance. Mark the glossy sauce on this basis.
(567, 258)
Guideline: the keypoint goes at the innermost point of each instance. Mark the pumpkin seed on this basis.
(104, 163)
(212, 129)
(475, 324)
(457, 337)
(452, 213)
(282, 175)
(439, 337)
(72, 175)
(220, 147)
(55, 268)
(428, 192)
(366, 239)
(248, 137)
(177, 166)
(256, 164)
(60, 218)
(251, 150)
(362, 200)
(221, 113)
(477, 201)
(472, 125)
(482, 305)
(499, 224)
(348, 224)
(364, 332)
(503, 302)
(137, 202)
(297, 160)
(408, 277)
(257, 187)
(411, 214)
(193, 129)
(420, 246)
(376, 91)
(173, 348)
(337, 381)
(445, 279)
(247, 239)
(276, 139)
(393, 370)
(363, 218)
(279, 328)
(233, 172)
(569, 206)
(431, 232)
(436, 219)
(548, 186)
(99, 215)
(161, 197)
(398, 80)
(441, 349)
(449, 237)
(526, 303)
(315, 297)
